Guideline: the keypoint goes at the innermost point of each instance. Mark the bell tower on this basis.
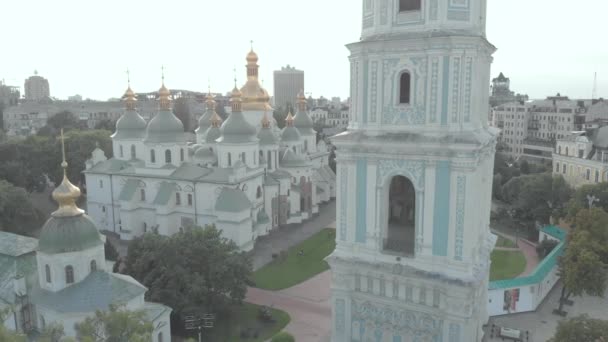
(415, 176)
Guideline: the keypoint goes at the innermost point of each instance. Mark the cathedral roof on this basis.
(290, 159)
(302, 121)
(165, 127)
(130, 125)
(165, 190)
(95, 292)
(205, 154)
(205, 121)
(255, 97)
(290, 134)
(15, 245)
(213, 133)
(236, 129)
(267, 137)
(232, 201)
(263, 216)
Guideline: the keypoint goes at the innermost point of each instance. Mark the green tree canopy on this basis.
(7, 335)
(580, 198)
(115, 325)
(17, 213)
(108, 125)
(581, 329)
(65, 119)
(196, 267)
(181, 109)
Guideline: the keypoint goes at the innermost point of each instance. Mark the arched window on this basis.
(588, 175)
(409, 5)
(121, 151)
(47, 272)
(133, 152)
(69, 274)
(152, 156)
(564, 168)
(269, 161)
(189, 200)
(556, 167)
(181, 154)
(294, 149)
(178, 199)
(258, 193)
(168, 157)
(101, 183)
(400, 233)
(93, 265)
(160, 337)
(566, 150)
(229, 159)
(142, 195)
(404, 88)
(559, 150)
(262, 154)
(145, 227)
(597, 176)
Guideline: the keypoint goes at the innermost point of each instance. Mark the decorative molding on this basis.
(433, 9)
(434, 89)
(460, 205)
(454, 333)
(384, 12)
(455, 88)
(414, 113)
(414, 169)
(467, 88)
(343, 201)
(374, 92)
(340, 316)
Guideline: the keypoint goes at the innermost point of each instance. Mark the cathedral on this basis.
(414, 176)
(244, 175)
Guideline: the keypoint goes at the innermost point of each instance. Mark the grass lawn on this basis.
(503, 242)
(281, 274)
(507, 264)
(244, 318)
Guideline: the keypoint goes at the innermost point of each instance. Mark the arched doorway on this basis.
(401, 226)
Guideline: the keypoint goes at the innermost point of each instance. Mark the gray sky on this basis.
(544, 46)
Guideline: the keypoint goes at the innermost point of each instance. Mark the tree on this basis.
(2, 116)
(196, 267)
(17, 213)
(79, 145)
(5, 334)
(110, 251)
(524, 167)
(115, 325)
(584, 264)
(52, 333)
(107, 125)
(581, 329)
(279, 116)
(181, 109)
(65, 120)
(580, 199)
(283, 337)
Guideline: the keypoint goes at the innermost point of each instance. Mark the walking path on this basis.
(527, 248)
(307, 304)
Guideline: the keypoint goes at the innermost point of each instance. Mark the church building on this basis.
(63, 277)
(244, 175)
(414, 176)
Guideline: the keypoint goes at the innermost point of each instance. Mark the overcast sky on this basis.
(544, 46)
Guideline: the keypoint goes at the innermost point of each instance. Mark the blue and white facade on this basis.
(415, 176)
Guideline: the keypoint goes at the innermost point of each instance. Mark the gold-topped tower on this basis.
(255, 97)
(289, 120)
(164, 95)
(66, 194)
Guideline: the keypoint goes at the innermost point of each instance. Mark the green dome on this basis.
(290, 133)
(164, 128)
(304, 123)
(290, 159)
(267, 137)
(68, 234)
(204, 122)
(130, 126)
(263, 217)
(205, 154)
(237, 130)
(213, 133)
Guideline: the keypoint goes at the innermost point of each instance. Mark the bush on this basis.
(283, 337)
(111, 252)
(545, 247)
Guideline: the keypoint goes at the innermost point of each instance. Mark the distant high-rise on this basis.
(36, 88)
(288, 82)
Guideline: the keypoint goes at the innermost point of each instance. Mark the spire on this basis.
(66, 194)
(265, 120)
(129, 96)
(164, 95)
(289, 120)
(210, 101)
(301, 101)
(236, 101)
(252, 64)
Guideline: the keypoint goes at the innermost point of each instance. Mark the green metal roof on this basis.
(213, 133)
(205, 154)
(154, 310)
(290, 159)
(69, 234)
(237, 130)
(128, 190)
(268, 180)
(111, 165)
(164, 193)
(191, 172)
(204, 122)
(96, 292)
(15, 245)
(541, 271)
(232, 201)
(267, 137)
(165, 127)
(130, 126)
(304, 123)
(290, 133)
(555, 231)
(280, 174)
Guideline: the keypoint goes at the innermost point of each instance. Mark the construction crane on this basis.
(594, 92)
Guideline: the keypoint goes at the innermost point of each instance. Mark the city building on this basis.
(582, 157)
(530, 129)
(9, 95)
(242, 174)
(288, 82)
(63, 277)
(597, 114)
(36, 88)
(415, 177)
(501, 92)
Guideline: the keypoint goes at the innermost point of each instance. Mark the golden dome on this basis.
(210, 101)
(252, 57)
(236, 94)
(216, 120)
(164, 97)
(66, 194)
(130, 98)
